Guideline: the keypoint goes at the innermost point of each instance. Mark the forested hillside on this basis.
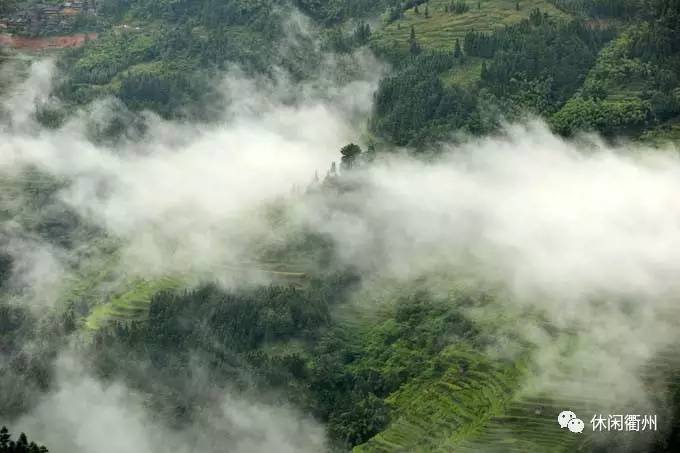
(585, 65)
(559, 63)
(340, 225)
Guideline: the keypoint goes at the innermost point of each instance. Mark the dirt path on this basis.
(43, 43)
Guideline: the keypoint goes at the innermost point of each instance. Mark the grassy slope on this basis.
(441, 29)
(131, 304)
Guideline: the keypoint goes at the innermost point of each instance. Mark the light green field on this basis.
(132, 304)
(441, 29)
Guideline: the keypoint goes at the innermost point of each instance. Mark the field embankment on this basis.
(45, 43)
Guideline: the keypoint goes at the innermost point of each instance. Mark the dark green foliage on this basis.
(337, 40)
(45, 214)
(414, 99)
(165, 58)
(331, 12)
(480, 44)
(539, 50)
(26, 372)
(635, 84)
(341, 374)
(7, 6)
(414, 47)
(7, 445)
(457, 52)
(211, 320)
(352, 374)
(536, 66)
(607, 117)
(362, 33)
(350, 153)
(459, 7)
(365, 417)
(5, 269)
(659, 39)
(394, 13)
(228, 333)
(602, 8)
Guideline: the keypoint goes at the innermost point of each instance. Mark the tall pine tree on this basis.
(457, 52)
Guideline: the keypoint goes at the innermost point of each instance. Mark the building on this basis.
(44, 19)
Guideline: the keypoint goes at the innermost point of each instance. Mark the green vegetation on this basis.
(601, 8)
(434, 413)
(567, 70)
(331, 12)
(21, 445)
(132, 304)
(356, 376)
(460, 66)
(162, 55)
(442, 27)
(385, 367)
(27, 354)
(634, 85)
(530, 67)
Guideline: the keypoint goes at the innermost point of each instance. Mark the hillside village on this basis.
(47, 19)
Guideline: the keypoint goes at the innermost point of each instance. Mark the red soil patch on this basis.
(50, 42)
(598, 24)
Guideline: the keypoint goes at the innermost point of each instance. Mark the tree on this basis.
(4, 438)
(427, 11)
(415, 10)
(414, 47)
(5, 268)
(517, 5)
(457, 52)
(370, 152)
(459, 7)
(20, 446)
(362, 33)
(349, 155)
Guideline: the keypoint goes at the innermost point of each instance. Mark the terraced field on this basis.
(481, 405)
(530, 423)
(441, 28)
(432, 413)
(133, 304)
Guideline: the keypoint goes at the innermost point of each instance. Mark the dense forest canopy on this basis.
(607, 66)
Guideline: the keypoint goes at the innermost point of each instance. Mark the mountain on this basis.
(493, 242)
